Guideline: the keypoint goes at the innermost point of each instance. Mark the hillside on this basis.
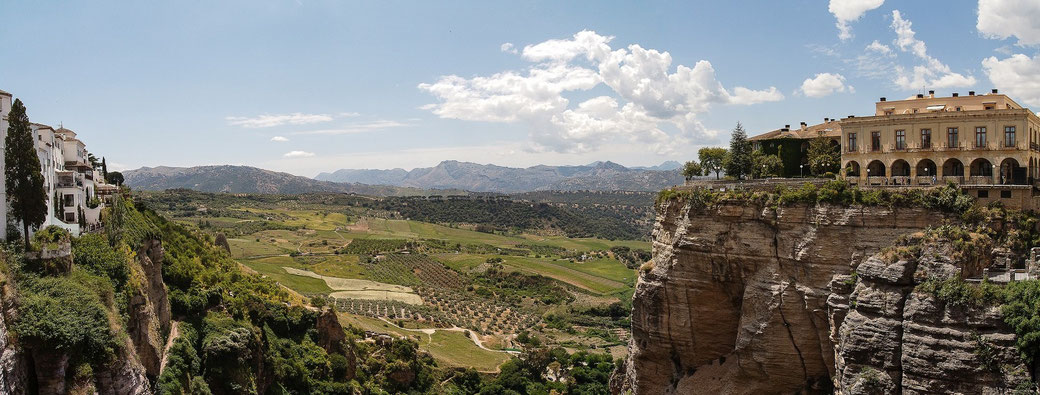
(491, 178)
(245, 179)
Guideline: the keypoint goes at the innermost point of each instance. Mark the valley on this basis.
(469, 293)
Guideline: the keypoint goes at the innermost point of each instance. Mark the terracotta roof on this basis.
(831, 128)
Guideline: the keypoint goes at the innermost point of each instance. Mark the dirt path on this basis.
(430, 331)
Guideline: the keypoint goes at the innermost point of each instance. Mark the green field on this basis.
(451, 347)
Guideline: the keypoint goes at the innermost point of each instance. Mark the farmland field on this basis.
(385, 273)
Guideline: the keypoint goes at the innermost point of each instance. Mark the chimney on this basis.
(882, 99)
(920, 95)
(994, 91)
(826, 119)
(852, 116)
(971, 93)
(787, 126)
(931, 94)
(803, 125)
(955, 94)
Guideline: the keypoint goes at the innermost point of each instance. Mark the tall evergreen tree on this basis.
(23, 174)
(739, 162)
(104, 170)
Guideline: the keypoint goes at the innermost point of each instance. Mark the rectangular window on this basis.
(1005, 194)
(875, 141)
(70, 200)
(70, 217)
(983, 193)
(900, 139)
(951, 137)
(1009, 136)
(926, 138)
(980, 137)
(852, 142)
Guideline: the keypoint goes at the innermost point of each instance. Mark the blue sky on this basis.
(311, 86)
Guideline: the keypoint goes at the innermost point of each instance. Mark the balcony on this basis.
(980, 180)
(953, 179)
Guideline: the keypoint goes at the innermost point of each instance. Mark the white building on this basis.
(70, 181)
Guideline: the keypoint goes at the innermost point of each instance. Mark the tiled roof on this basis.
(827, 129)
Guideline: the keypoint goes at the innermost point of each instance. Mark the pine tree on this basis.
(104, 170)
(23, 174)
(739, 161)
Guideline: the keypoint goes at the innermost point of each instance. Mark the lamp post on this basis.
(801, 169)
(763, 170)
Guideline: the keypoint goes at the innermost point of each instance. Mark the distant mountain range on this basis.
(244, 179)
(602, 176)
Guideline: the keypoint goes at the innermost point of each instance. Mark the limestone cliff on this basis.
(39, 368)
(890, 336)
(735, 298)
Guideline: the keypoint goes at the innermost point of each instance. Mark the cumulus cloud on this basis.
(824, 84)
(846, 11)
(279, 139)
(646, 96)
(1018, 76)
(508, 48)
(268, 120)
(298, 154)
(933, 73)
(1001, 19)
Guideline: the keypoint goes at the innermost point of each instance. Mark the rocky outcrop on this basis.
(331, 338)
(890, 337)
(45, 370)
(735, 298)
(149, 308)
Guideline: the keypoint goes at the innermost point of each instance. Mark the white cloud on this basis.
(823, 84)
(358, 128)
(298, 154)
(933, 73)
(879, 48)
(279, 139)
(1018, 76)
(266, 120)
(1001, 19)
(508, 48)
(846, 11)
(646, 96)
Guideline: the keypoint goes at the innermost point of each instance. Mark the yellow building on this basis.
(972, 140)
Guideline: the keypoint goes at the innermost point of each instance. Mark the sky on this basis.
(311, 86)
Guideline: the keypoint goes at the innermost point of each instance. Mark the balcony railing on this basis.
(900, 180)
(925, 180)
(980, 180)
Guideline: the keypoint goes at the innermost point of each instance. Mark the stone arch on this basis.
(981, 167)
(852, 169)
(900, 168)
(876, 168)
(953, 167)
(926, 168)
(1011, 172)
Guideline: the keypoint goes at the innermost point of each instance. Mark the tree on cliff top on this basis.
(692, 169)
(823, 156)
(739, 161)
(24, 177)
(712, 159)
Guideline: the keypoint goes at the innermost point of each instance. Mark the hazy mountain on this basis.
(491, 178)
(668, 165)
(244, 179)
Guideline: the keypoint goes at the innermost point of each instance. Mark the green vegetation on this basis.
(692, 169)
(25, 191)
(823, 156)
(712, 159)
(739, 163)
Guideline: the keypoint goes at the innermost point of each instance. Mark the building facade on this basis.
(73, 187)
(792, 145)
(973, 140)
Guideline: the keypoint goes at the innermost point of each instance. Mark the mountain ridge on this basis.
(451, 174)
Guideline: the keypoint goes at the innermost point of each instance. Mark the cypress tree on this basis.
(739, 161)
(23, 174)
(104, 170)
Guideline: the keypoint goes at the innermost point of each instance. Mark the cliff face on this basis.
(890, 338)
(736, 301)
(42, 369)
